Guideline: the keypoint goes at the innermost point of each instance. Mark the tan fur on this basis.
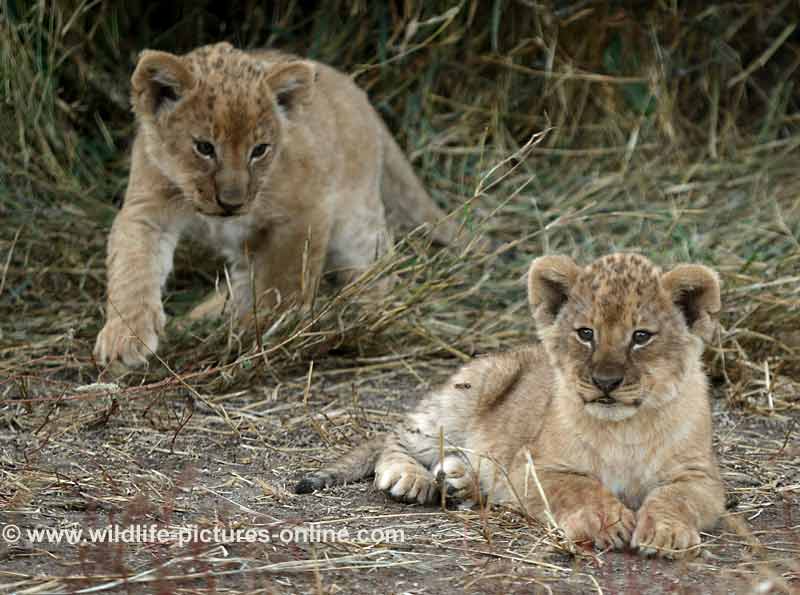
(631, 465)
(307, 202)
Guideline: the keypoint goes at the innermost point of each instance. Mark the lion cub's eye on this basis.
(204, 149)
(641, 338)
(259, 151)
(585, 334)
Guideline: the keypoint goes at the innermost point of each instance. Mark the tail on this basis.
(407, 203)
(357, 464)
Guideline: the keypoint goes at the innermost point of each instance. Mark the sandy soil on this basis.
(174, 463)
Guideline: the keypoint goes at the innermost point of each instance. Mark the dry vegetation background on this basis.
(669, 128)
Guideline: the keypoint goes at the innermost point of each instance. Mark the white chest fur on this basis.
(227, 236)
(631, 463)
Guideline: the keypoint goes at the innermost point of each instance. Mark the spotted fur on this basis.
(279, 163)
(626, 466)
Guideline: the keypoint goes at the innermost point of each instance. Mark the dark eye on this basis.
(204, 148)
(259, 151)
(641, 337)
(585, 334)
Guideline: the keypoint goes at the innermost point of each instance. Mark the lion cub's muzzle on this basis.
(609, 383)
(623, 398)
(605, 400)
(232, 202)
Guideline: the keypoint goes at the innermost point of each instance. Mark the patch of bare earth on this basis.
(186, 469)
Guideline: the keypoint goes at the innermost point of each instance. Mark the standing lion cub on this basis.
(610, 411)
(278, 162)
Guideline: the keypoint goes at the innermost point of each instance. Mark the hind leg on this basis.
(410, 469)
(402, 476)
(456, 477)
(359, 237)
(407, 479)
(211, 307)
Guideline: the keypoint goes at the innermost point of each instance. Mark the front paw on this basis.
(605, 523)
(664, 535)
(131, 338)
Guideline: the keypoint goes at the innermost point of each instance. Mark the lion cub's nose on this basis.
(230, 201)
(607, 384)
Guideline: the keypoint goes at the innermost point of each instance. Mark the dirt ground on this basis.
(93, 460)
(666, 128)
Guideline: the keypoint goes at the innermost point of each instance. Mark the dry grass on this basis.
(581, 128)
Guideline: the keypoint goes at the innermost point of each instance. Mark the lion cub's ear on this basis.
(550, 279)
(694, 289)
(293, 85)
(159, 81)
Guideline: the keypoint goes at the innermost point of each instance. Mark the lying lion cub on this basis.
(277, 162)
(610, 411)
